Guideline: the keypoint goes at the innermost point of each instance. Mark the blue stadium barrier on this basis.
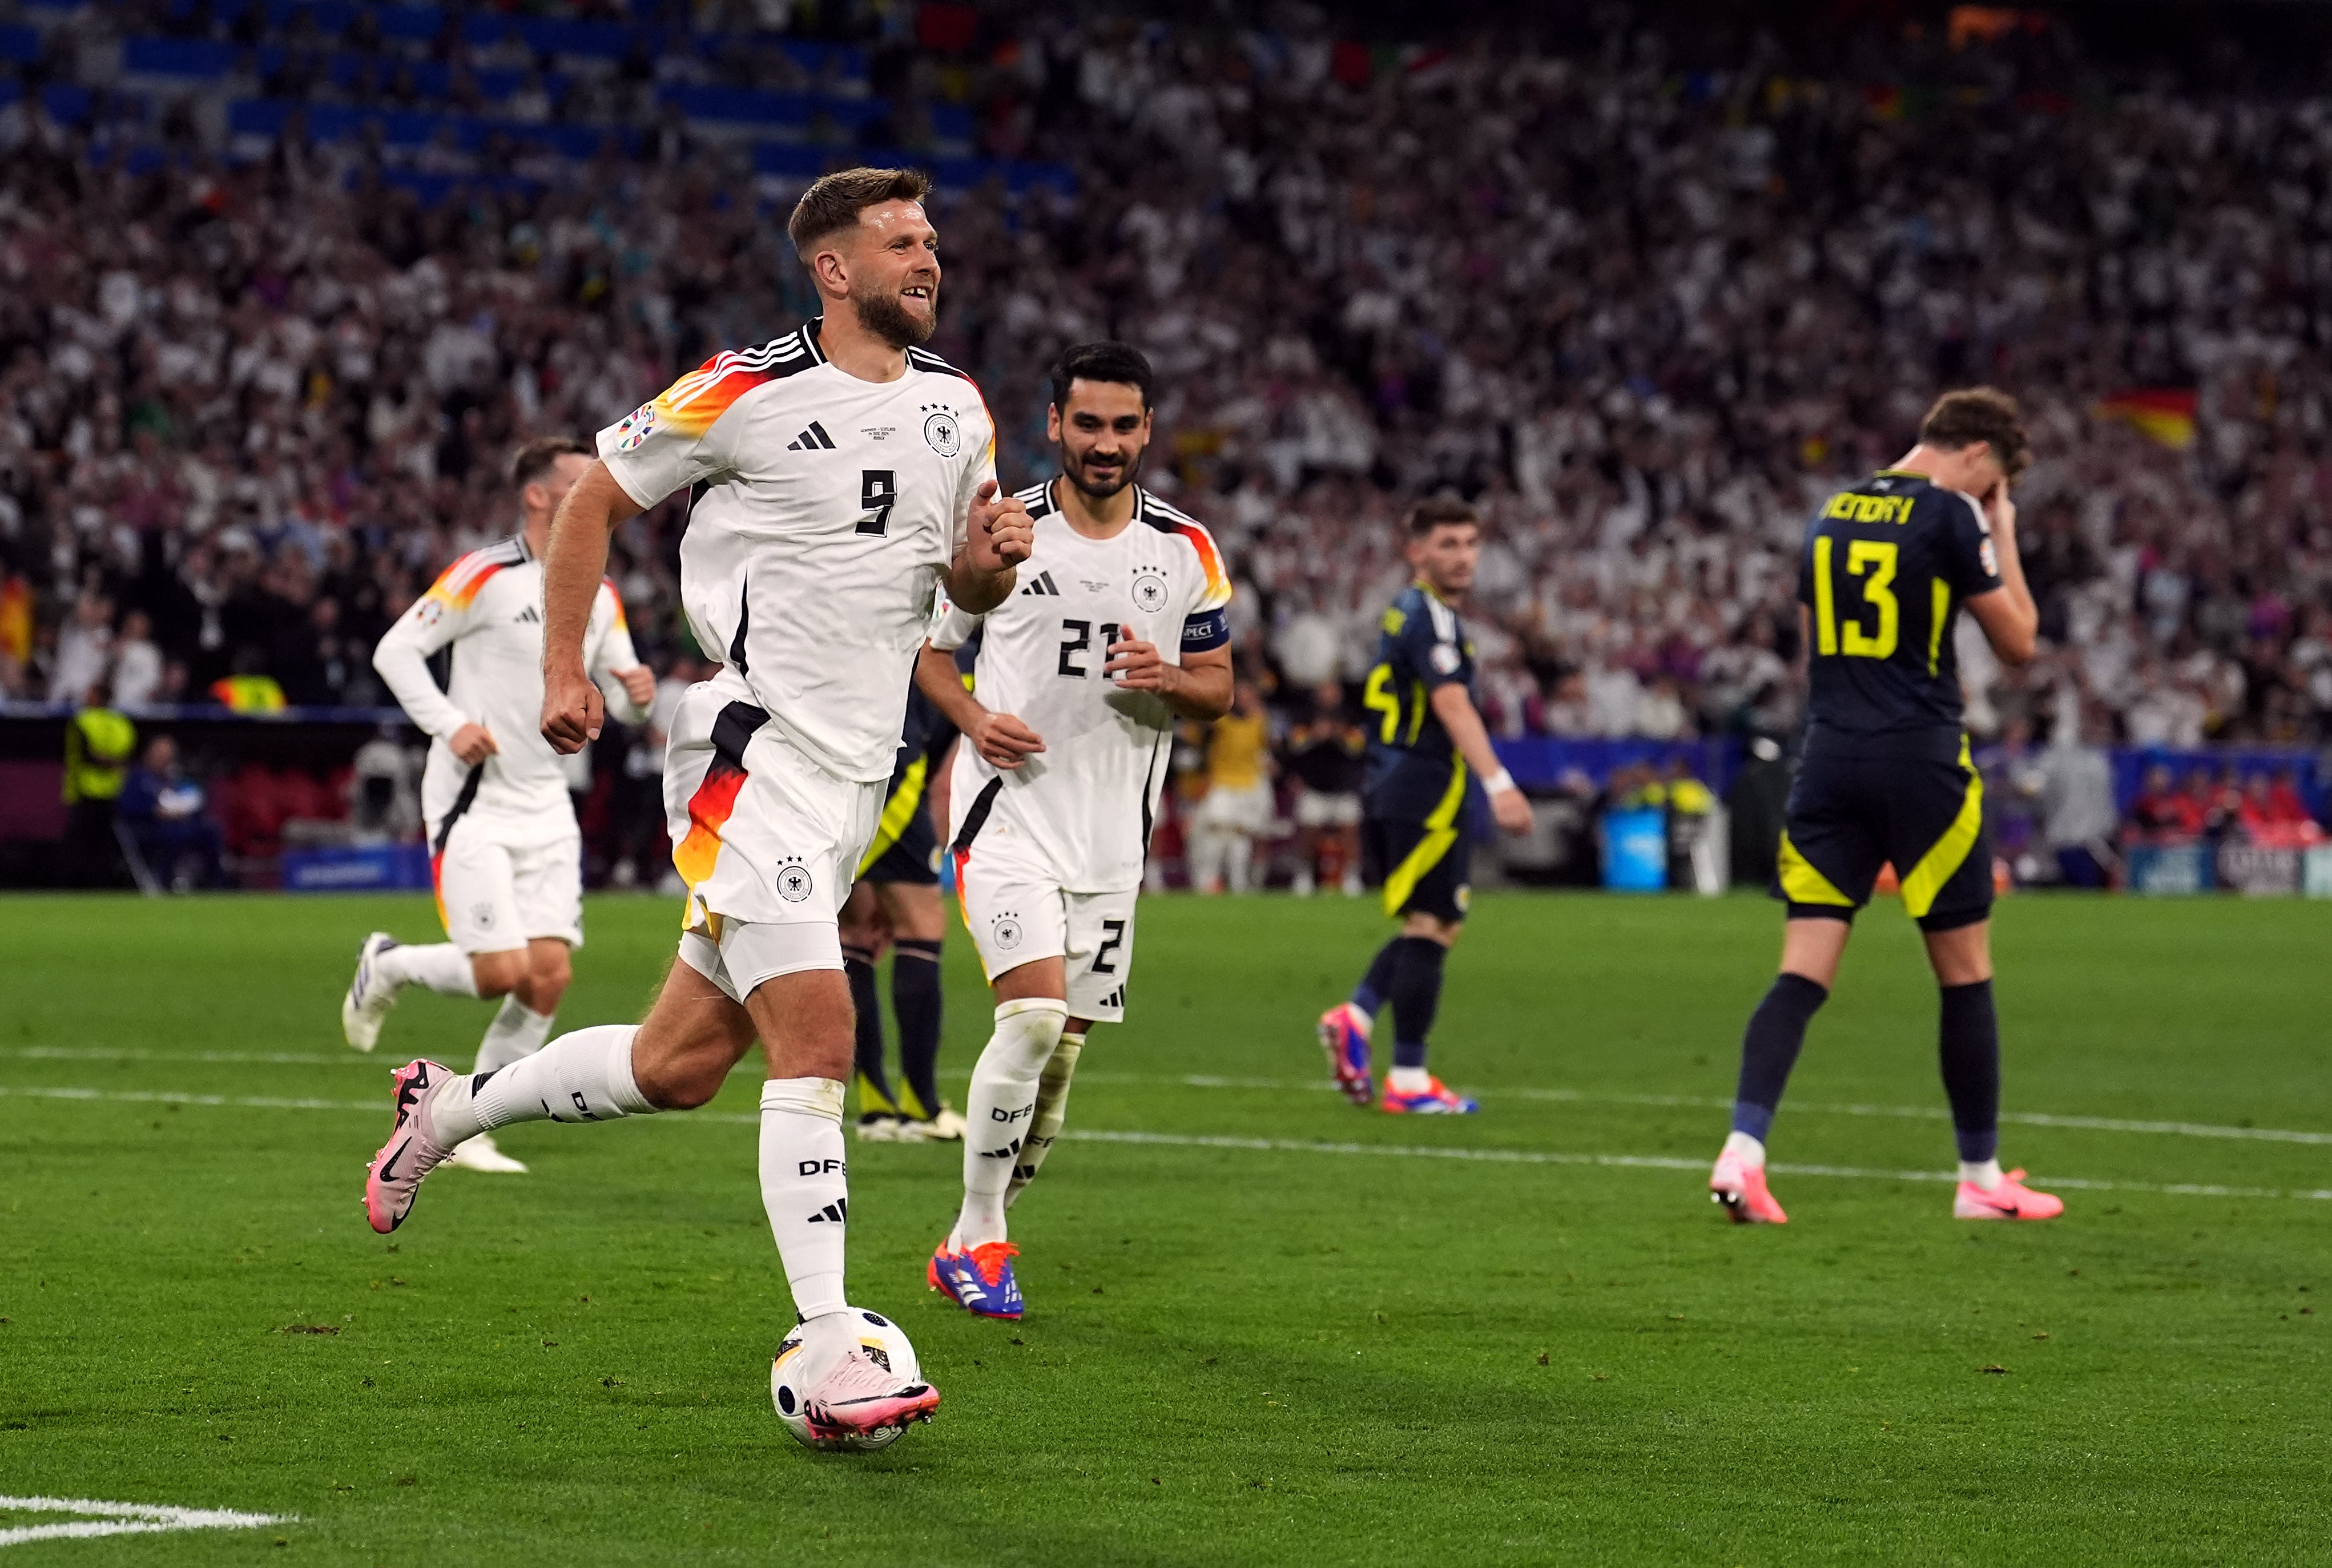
(1543, 761)
(2131, 763)
(193, 59)
(357, 868)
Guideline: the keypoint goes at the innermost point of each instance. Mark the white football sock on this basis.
(585, 1076)
(999, 1108)
(1984, 1173)
(1052, 1111)
(805, 1188)
(439, 966)
(1408, 1080)
(517, 1032)
(1747, 1149)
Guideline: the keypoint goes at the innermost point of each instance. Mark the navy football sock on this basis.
(1370, 995)
(915, 997)
(1415, 994)
(873, 1088)
(1769, 1049)
(1970, 1041)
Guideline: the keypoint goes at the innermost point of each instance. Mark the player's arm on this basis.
(999, 536)
(1000, 739)
(572, 568)
(1471, 737)
(402, 661)
(628, 685)
(2005, 610)
(1199, 687)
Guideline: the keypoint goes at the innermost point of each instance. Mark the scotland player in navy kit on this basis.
(1886, 777)
(1427, 749)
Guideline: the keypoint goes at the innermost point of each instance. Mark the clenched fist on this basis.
(1003, 534)
(572, 708)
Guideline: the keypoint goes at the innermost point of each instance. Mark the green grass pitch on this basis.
(1263, 1327)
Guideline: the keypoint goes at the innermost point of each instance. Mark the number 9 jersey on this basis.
(1884, 568)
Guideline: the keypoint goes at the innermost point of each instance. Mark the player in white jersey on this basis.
(505, 855)
(1117, 628)
(837, 476)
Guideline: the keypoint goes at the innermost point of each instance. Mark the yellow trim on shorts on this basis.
(1948, 854)
(1802, 884)
(897, 812)
(1440, 833)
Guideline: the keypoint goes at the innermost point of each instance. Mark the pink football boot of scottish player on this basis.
(1739, 1189)
(2011, 1199)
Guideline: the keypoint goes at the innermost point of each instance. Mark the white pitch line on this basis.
(1710, 1103)
(124, 1519)
(1275, 1145)
(1218, 1081)
(1652, 1162)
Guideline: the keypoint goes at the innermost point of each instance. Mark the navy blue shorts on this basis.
(1849, 815)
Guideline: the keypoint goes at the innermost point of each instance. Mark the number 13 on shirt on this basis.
(1871, 562)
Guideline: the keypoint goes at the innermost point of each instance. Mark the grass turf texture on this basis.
(1232, 1355)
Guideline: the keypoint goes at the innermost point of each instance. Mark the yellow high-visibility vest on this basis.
(97, 744)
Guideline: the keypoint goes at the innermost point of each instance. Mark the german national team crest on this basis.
(635, 428)
(941, 432)
(1150, 590)
(794, 882)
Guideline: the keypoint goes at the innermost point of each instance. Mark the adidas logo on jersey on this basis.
(814, 439)
(835, 1213)
(1043, 585)
(1115, 998)
(528, 617)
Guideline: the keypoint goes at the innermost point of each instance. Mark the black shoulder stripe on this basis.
(1037, 499)
(924, 360)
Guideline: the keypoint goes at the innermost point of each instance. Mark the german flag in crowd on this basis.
(2162, 413)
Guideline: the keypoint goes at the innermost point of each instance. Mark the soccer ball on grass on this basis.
(884, 1340)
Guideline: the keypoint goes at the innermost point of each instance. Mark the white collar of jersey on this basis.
(809, 339)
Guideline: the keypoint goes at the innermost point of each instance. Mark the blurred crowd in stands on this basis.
(1644, 292)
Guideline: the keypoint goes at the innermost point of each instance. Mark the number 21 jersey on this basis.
(1081, 809)
(1884, 568)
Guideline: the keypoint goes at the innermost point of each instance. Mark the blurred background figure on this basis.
(385, 789)
(1324, 751)
(165, 820)
(99, 741)
(1237, 807)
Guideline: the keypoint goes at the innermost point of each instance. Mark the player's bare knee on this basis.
(497, 973)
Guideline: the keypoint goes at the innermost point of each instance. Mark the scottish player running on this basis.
(505, 855)
(838, 476)
(1886, 777)
(1427, 747)
(1118, 628)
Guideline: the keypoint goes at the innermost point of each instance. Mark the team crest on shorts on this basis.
(1005, 931)
(635, 428)
(794, 882)
(482, 915)
(1464, 897)
(1150, 589)
(941, 432)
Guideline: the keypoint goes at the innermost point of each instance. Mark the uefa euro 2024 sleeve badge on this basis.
(941, 433)
(635, 427)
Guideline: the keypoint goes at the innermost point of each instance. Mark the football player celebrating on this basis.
(1886, 777)
(505, 853)
(1425, 737)
(1118, 628)
(897, 903)
(840, 474)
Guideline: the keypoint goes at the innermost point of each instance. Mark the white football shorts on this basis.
(501, 887)
(1018, 912)
(764, 837)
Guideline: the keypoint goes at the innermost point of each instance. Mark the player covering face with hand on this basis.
(839, 475)
(1886, 779)
(1117, 628)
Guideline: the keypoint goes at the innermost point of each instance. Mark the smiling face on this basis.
(888, 267)
(1101, 433)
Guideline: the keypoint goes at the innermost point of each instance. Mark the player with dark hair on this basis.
(1886, 779)
(1118, 629)
(1429, 757)
(838, 477)
(505, 855)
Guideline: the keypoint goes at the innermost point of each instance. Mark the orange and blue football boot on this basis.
(1344, 1036)
(978, 1279)
(1436, 1099)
